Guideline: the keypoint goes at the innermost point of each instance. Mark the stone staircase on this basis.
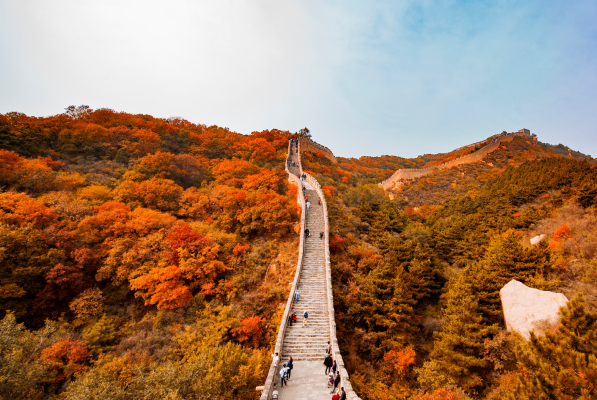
(309, 343)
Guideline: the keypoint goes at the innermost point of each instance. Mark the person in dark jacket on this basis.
(328, 363)
(289, 365)
(342, 394)
(336, 382)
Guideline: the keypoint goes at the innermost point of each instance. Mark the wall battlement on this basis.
(314, 147)
(412, 173)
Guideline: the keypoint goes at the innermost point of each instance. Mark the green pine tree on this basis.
(387, 219)
(385, 306)
(100, 335)
(560, 365)
(458, 349)
(420, 264)
(506, 259)
(366, 212)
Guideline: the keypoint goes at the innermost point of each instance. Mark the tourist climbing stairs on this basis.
(307, 343)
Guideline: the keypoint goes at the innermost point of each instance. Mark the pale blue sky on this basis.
(367, 77)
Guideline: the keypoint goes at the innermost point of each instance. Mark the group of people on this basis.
(291, 162)
(286, 369)
(333, 374)
(331, 371)
(292, 318)
(308, 204)
(308, 233)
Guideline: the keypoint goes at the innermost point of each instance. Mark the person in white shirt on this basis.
(283, 376)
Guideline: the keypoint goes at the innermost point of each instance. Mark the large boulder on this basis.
(527, 309)
(537, 239)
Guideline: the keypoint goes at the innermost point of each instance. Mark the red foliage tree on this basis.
(66, 357)
(63, 284)
(184, 237)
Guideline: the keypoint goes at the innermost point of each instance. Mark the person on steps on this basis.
(307, 233)
(334, 367)
(283, 376)
(328, 349)
(327, 361)
(336, 382)
(289, 366)
(306, 318)
(297, 295)
(275, 359)
(330, 380)
(336, 396)
(321, 235)
(342, 394)
(308, 205)
(292, 318)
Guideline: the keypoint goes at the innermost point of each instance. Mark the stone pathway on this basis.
(307, 382)
(307, 345)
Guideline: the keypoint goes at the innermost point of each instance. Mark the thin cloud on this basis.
(368, 78)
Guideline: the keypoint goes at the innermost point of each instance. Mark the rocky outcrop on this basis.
(527, 309)
(537, 239)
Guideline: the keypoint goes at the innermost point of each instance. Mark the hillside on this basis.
(417, 271)
(150, 258)
(134, 253)
(469, 178)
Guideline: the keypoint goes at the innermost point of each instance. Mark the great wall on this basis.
(314, 147)
(412, 173)
(313, 277)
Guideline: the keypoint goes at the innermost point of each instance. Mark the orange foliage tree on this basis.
(144, 142)
(400, 360)
(21, 209)
(156, 193)
(250, 330)
(559, 236)
(163, 287)
(442, 394)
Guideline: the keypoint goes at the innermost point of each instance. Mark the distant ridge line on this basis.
(413, 173)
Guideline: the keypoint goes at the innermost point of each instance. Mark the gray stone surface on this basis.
(307, 381)
(527, 309)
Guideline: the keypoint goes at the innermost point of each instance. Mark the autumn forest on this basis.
(149, 258)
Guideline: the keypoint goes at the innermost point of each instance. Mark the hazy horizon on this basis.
(368, 79)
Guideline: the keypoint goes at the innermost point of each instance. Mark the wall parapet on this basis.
(412, 173)
(314, 147)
